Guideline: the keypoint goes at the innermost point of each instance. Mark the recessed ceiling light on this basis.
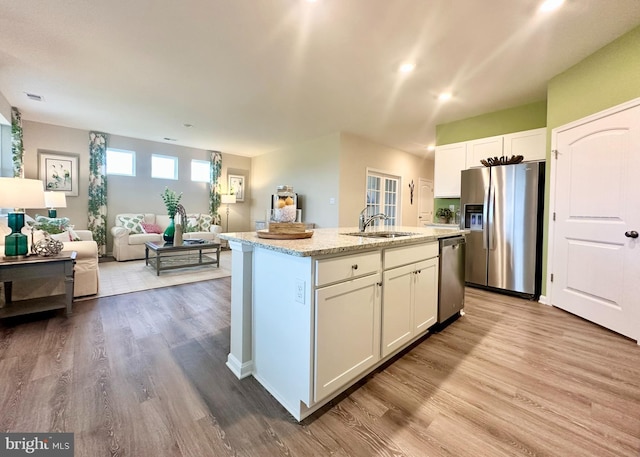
(34, 97)
(443, 97)
(407, 67)
(550, 5)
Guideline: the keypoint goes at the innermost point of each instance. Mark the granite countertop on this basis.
(333, 240)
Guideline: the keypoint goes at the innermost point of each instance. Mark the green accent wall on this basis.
(444, 203)
(608, 77)
(517, 119)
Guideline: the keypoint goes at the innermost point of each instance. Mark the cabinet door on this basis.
(482, 149)
(347, 332)
(531, 144)
(450, 160)
(425, 295)
(397, 319)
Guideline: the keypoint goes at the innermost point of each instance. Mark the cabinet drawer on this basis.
(395, 257)
(347, 267)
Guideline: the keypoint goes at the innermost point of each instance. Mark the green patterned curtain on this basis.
(98, 189)
(214, 186)
(17, 148)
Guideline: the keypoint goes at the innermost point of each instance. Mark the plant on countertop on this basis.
(444, 213)
(171, 200)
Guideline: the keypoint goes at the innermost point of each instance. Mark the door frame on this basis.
(548, 299)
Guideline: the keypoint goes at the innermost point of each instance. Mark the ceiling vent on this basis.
(34, 97)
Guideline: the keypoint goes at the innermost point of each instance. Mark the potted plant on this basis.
(444, 214)
(171, 200)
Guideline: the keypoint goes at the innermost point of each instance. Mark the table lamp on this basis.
(55, 200)
(228, 199)
(19, 194)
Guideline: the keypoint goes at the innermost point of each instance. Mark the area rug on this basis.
(132, 276)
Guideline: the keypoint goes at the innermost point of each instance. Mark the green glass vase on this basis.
(170, 231)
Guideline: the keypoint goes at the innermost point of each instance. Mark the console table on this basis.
(34, 267)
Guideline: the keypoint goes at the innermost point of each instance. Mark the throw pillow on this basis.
(52, 224)
(204, 222)
(192, 223)
(131, 223)
(150, 228)
(63, 237)
(73, 236)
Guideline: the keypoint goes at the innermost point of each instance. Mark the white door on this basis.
(596, 260)
(425, 201)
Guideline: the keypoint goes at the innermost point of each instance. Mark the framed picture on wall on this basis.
(236, 187)
(59, 172)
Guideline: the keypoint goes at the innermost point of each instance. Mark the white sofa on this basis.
(129, 237)
(86, 272)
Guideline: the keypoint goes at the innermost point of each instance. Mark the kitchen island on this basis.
(310, 317)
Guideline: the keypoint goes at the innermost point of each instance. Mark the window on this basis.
(164, 167)
(121, 162)
(382, 197)
(200, 170)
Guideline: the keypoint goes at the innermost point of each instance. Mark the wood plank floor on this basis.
(144, 374)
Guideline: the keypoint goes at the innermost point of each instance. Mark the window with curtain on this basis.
(383, 197)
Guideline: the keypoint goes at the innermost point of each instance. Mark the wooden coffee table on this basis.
(189, 254)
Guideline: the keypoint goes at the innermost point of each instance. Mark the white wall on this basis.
(358, 154)
(5, 110)
(311, 167)
(38, 136)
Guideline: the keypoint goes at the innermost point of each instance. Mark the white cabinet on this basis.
(347, 332)
(450, 160)
(410, 295)
(531, 144)
(483, 148)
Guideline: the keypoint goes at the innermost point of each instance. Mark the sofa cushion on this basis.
(143, 238)
(131, 222)
(63, 237)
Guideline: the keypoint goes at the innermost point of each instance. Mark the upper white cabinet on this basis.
(531, 144)
(483, 148)
(450, 160)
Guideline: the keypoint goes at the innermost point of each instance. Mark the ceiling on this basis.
(253, 76)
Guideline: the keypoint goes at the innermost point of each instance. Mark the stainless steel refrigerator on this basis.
(502, 206)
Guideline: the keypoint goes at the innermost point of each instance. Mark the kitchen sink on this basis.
(388, 234)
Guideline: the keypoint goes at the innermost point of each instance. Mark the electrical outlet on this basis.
(300, 291)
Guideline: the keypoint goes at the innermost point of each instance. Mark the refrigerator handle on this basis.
(491, 220)
(485, 211)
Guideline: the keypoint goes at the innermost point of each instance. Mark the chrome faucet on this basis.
(364, 221)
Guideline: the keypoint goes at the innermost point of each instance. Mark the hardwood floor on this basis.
(144, 374)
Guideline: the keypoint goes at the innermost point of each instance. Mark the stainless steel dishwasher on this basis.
(451, 277)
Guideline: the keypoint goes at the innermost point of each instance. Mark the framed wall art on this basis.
(59, 172)
(236, 187)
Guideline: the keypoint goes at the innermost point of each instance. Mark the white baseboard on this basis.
(543, 300)
(241, 370)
